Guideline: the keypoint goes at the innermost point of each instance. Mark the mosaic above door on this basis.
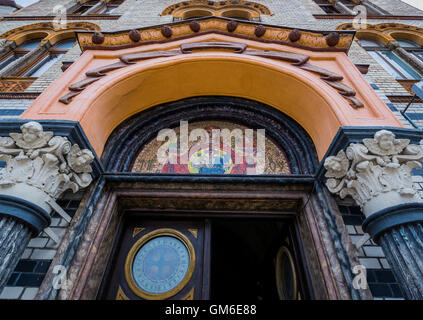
(208, 151)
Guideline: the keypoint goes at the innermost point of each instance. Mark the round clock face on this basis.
(161, 264)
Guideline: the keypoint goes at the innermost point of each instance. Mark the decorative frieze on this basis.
(298, 60)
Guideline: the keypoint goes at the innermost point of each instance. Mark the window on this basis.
(331, 7)
(411, 47)
(389, 60)
(55, 53)
(88, 7)
(25, 3)
(84, 7)
(110, 6)
(19, 52)
(327, 7)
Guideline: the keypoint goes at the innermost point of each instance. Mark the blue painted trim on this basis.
(66, 128)
(11, 112)
(32, 215)
(415, 116)
(391, 217)
(347, 135)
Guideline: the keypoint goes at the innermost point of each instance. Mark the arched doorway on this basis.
(242, 238)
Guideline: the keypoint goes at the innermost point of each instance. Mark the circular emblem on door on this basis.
(286, 278)
(160, 264)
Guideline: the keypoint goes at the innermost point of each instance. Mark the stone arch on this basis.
(46, 30)
(247, 9)
(134, 133)
(387, 32)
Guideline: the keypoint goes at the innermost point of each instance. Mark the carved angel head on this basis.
(80, 160)
(32, 136)
(385, 144)
(337, 166)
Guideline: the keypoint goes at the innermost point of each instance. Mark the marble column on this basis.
(377, 175)
(398, 230)
(39, 168)
(14, 237)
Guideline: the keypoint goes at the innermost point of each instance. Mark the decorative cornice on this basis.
(47, 25)
(383, 27)
(298, 60)
(404, 99)
(19, 95)
(347, 17)
(69, 17)
(311, 40)
(216, 5)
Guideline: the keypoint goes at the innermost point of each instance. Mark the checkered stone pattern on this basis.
(380, 278)
(37, 257)
(13, 108)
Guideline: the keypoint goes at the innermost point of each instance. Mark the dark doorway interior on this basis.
(243, 258)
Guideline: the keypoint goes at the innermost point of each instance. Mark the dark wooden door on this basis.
(156, 260)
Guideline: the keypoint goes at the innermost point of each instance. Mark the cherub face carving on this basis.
(337, 167)
(385, 139)
(31, 131)
(385, 144)
(85, 157)
(80, 160)
(32, 136)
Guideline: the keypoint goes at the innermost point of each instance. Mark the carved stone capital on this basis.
(377, 173)
(41, 166)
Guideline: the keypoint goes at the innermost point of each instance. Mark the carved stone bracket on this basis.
(298, 60)
(376, 174)
(40, 167)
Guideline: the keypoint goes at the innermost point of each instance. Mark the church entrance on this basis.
(180, 215)
(214, 257)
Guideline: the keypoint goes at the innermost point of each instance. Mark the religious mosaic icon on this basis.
(221, 160)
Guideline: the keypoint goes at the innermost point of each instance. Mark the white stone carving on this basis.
(41, 166)
(376, 174)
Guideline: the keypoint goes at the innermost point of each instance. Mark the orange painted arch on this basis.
(302, 95)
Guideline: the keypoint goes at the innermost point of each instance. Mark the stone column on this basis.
(377, 175)
(39, 168)
(14, 237)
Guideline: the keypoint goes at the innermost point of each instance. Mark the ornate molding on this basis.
(215, 6)
(41, 166)
(306, 39)
(49, 26)
(387, 32)
(298, 60)
(376, 173)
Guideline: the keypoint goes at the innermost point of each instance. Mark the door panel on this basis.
(157, 260)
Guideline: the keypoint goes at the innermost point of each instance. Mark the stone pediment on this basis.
(338, 41)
